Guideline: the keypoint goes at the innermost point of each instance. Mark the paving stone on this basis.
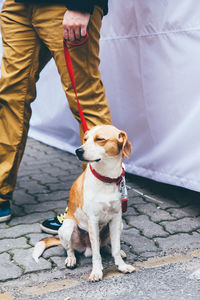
(148, 228)
(182, 225)
(20, 230)
(32, 218)
(131, 211)
(135, 200)
(134, 194)
(17, 211)
(58, 195)
(59, 261)
(68, 177)
(24, 259)
(125, 225)
(24, 172)
(44, 179)
(180, 241)
(154, 212)
(29, 159)
(20, 197)
(30, 170)
(34, 187)
(139, 243)
(131, 257)
(55, 172)
(8, 269)
(189, 211)
(3, 226)
(36, 237)
(45, 206)
(55, 251)
(60, 185)
(7, 244)
(76, 171)
(63, 165)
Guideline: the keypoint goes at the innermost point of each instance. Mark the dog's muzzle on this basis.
(79, 153)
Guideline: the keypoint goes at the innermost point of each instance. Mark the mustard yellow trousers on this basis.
(32, 35)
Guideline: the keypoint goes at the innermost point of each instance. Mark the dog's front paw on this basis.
(70, 262)
(96, 276)
(125, 268)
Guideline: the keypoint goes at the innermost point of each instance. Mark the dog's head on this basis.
(104, 142)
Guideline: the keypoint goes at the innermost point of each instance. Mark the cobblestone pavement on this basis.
(161, 227)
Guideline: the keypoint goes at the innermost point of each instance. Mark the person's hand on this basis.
(75, 25)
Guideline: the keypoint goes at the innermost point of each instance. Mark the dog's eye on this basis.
(99, 139)
(85, 139)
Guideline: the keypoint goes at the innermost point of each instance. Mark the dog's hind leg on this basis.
(88, 252)
(105, 239)
(65, 233)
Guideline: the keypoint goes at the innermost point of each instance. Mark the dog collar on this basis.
(107, 179)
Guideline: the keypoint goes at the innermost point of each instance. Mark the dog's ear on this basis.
(125, 144)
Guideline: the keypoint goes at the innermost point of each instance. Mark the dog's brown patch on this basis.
(51, 241)
(108, 137)
(112, 147)
(75, 197)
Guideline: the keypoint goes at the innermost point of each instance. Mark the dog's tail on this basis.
(44, 244)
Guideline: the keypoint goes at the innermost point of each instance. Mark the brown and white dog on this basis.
(94, 214)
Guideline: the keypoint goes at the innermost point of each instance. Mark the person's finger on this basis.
(77, 33)
(65, 34)
(83, 30)
(71, 36)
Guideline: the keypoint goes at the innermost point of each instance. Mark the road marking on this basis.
(195, 253)
(156, 262)
(6, 296)
(53, 286)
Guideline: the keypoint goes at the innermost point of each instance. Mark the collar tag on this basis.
(123, 188)
(124, 194)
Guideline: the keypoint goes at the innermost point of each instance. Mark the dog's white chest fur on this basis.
(100, 199)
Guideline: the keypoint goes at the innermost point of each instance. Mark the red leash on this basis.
(121, 179)
(71, 74)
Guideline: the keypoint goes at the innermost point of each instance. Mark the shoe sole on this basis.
(4, 219)
(48, 230)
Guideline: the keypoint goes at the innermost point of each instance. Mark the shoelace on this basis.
(61, 218)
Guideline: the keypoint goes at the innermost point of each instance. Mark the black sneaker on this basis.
(52, 225)
(5, 213)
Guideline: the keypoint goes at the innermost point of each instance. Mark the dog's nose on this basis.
(79, 153)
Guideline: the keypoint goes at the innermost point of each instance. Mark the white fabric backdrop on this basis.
(150, 64)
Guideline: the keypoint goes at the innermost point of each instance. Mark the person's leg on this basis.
(85, 61)
(19, 72)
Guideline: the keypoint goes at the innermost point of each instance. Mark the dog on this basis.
(94, 216)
